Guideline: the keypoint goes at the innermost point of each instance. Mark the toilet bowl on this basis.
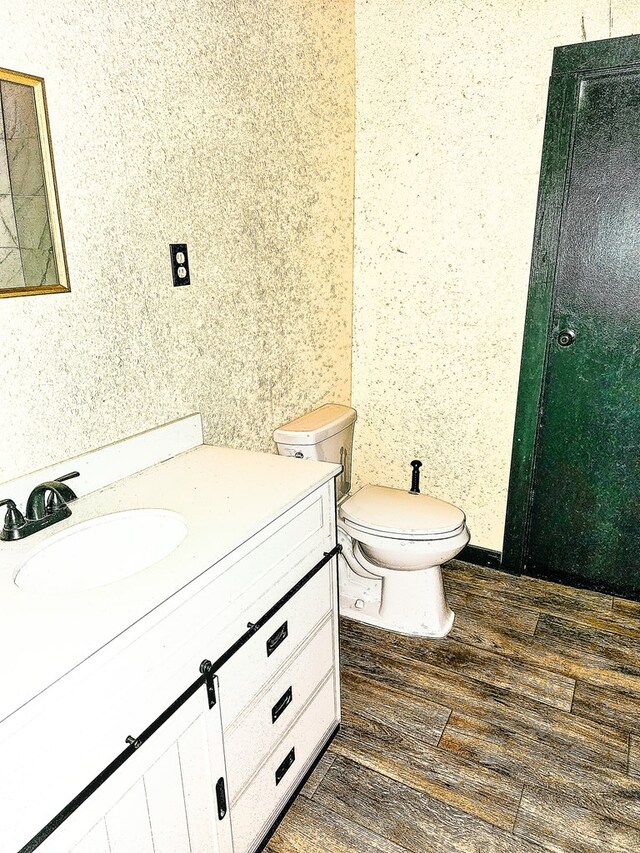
(403, 538)
(393, 541)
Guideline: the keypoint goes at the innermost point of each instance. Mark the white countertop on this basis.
(226, 496)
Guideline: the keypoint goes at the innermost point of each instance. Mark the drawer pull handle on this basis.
(283, 702)
(221, 798)
(278, 637)
(286, 764)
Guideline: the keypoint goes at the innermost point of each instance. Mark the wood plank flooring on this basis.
(518, 733)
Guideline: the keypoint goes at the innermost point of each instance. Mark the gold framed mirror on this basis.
(32, 255)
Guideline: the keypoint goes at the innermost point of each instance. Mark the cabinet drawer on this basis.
(260, 803)
(268, 718)
(253, 665)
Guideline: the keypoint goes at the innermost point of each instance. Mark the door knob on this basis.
(566, 337)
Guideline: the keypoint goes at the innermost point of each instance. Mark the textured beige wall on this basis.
(229, 126)
(450, 110)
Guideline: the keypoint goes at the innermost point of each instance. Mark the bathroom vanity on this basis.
(179, 707)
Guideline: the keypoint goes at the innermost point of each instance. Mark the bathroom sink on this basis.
(102, 551)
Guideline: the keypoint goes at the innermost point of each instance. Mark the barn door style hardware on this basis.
(208, 670)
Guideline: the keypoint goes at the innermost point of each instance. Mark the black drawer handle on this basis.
(221, 798)
(286, 764)
(278, 637)
(283, 702)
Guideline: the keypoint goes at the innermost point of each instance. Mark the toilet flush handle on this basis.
(415, 477)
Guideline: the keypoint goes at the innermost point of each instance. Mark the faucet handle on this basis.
(56, 502)
(13, 520)
(67, 476)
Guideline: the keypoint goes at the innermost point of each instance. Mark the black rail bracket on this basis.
(206, 668)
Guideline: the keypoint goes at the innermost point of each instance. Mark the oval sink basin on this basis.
(102, 551)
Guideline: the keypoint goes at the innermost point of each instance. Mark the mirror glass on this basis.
(32, 258)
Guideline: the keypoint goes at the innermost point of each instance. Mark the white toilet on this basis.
(394, 541)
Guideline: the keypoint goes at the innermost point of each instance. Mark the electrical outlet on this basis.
(179, 264)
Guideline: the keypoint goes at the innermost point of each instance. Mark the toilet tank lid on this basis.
(395, 511)
(316, 426)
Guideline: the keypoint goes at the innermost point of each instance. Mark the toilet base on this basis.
(414, 602)
(350, 612)
(407, 602)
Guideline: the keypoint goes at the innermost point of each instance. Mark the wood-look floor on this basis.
(517, 733)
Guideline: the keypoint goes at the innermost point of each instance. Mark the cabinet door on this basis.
(169, 797)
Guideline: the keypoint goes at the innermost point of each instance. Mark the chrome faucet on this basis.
(47, 504)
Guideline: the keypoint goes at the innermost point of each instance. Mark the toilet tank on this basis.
(325, 434)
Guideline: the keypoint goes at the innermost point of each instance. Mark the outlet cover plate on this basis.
(180, 264)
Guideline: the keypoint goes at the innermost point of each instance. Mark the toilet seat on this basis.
(359, 531)
(397, 514)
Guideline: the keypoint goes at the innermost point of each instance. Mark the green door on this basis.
(574, 502)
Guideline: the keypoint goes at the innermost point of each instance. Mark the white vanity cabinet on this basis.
(219, 753)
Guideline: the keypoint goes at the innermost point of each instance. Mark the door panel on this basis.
(128, 825)
(583, 497)
(163, 785)
(96, 841)
(163, 798)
